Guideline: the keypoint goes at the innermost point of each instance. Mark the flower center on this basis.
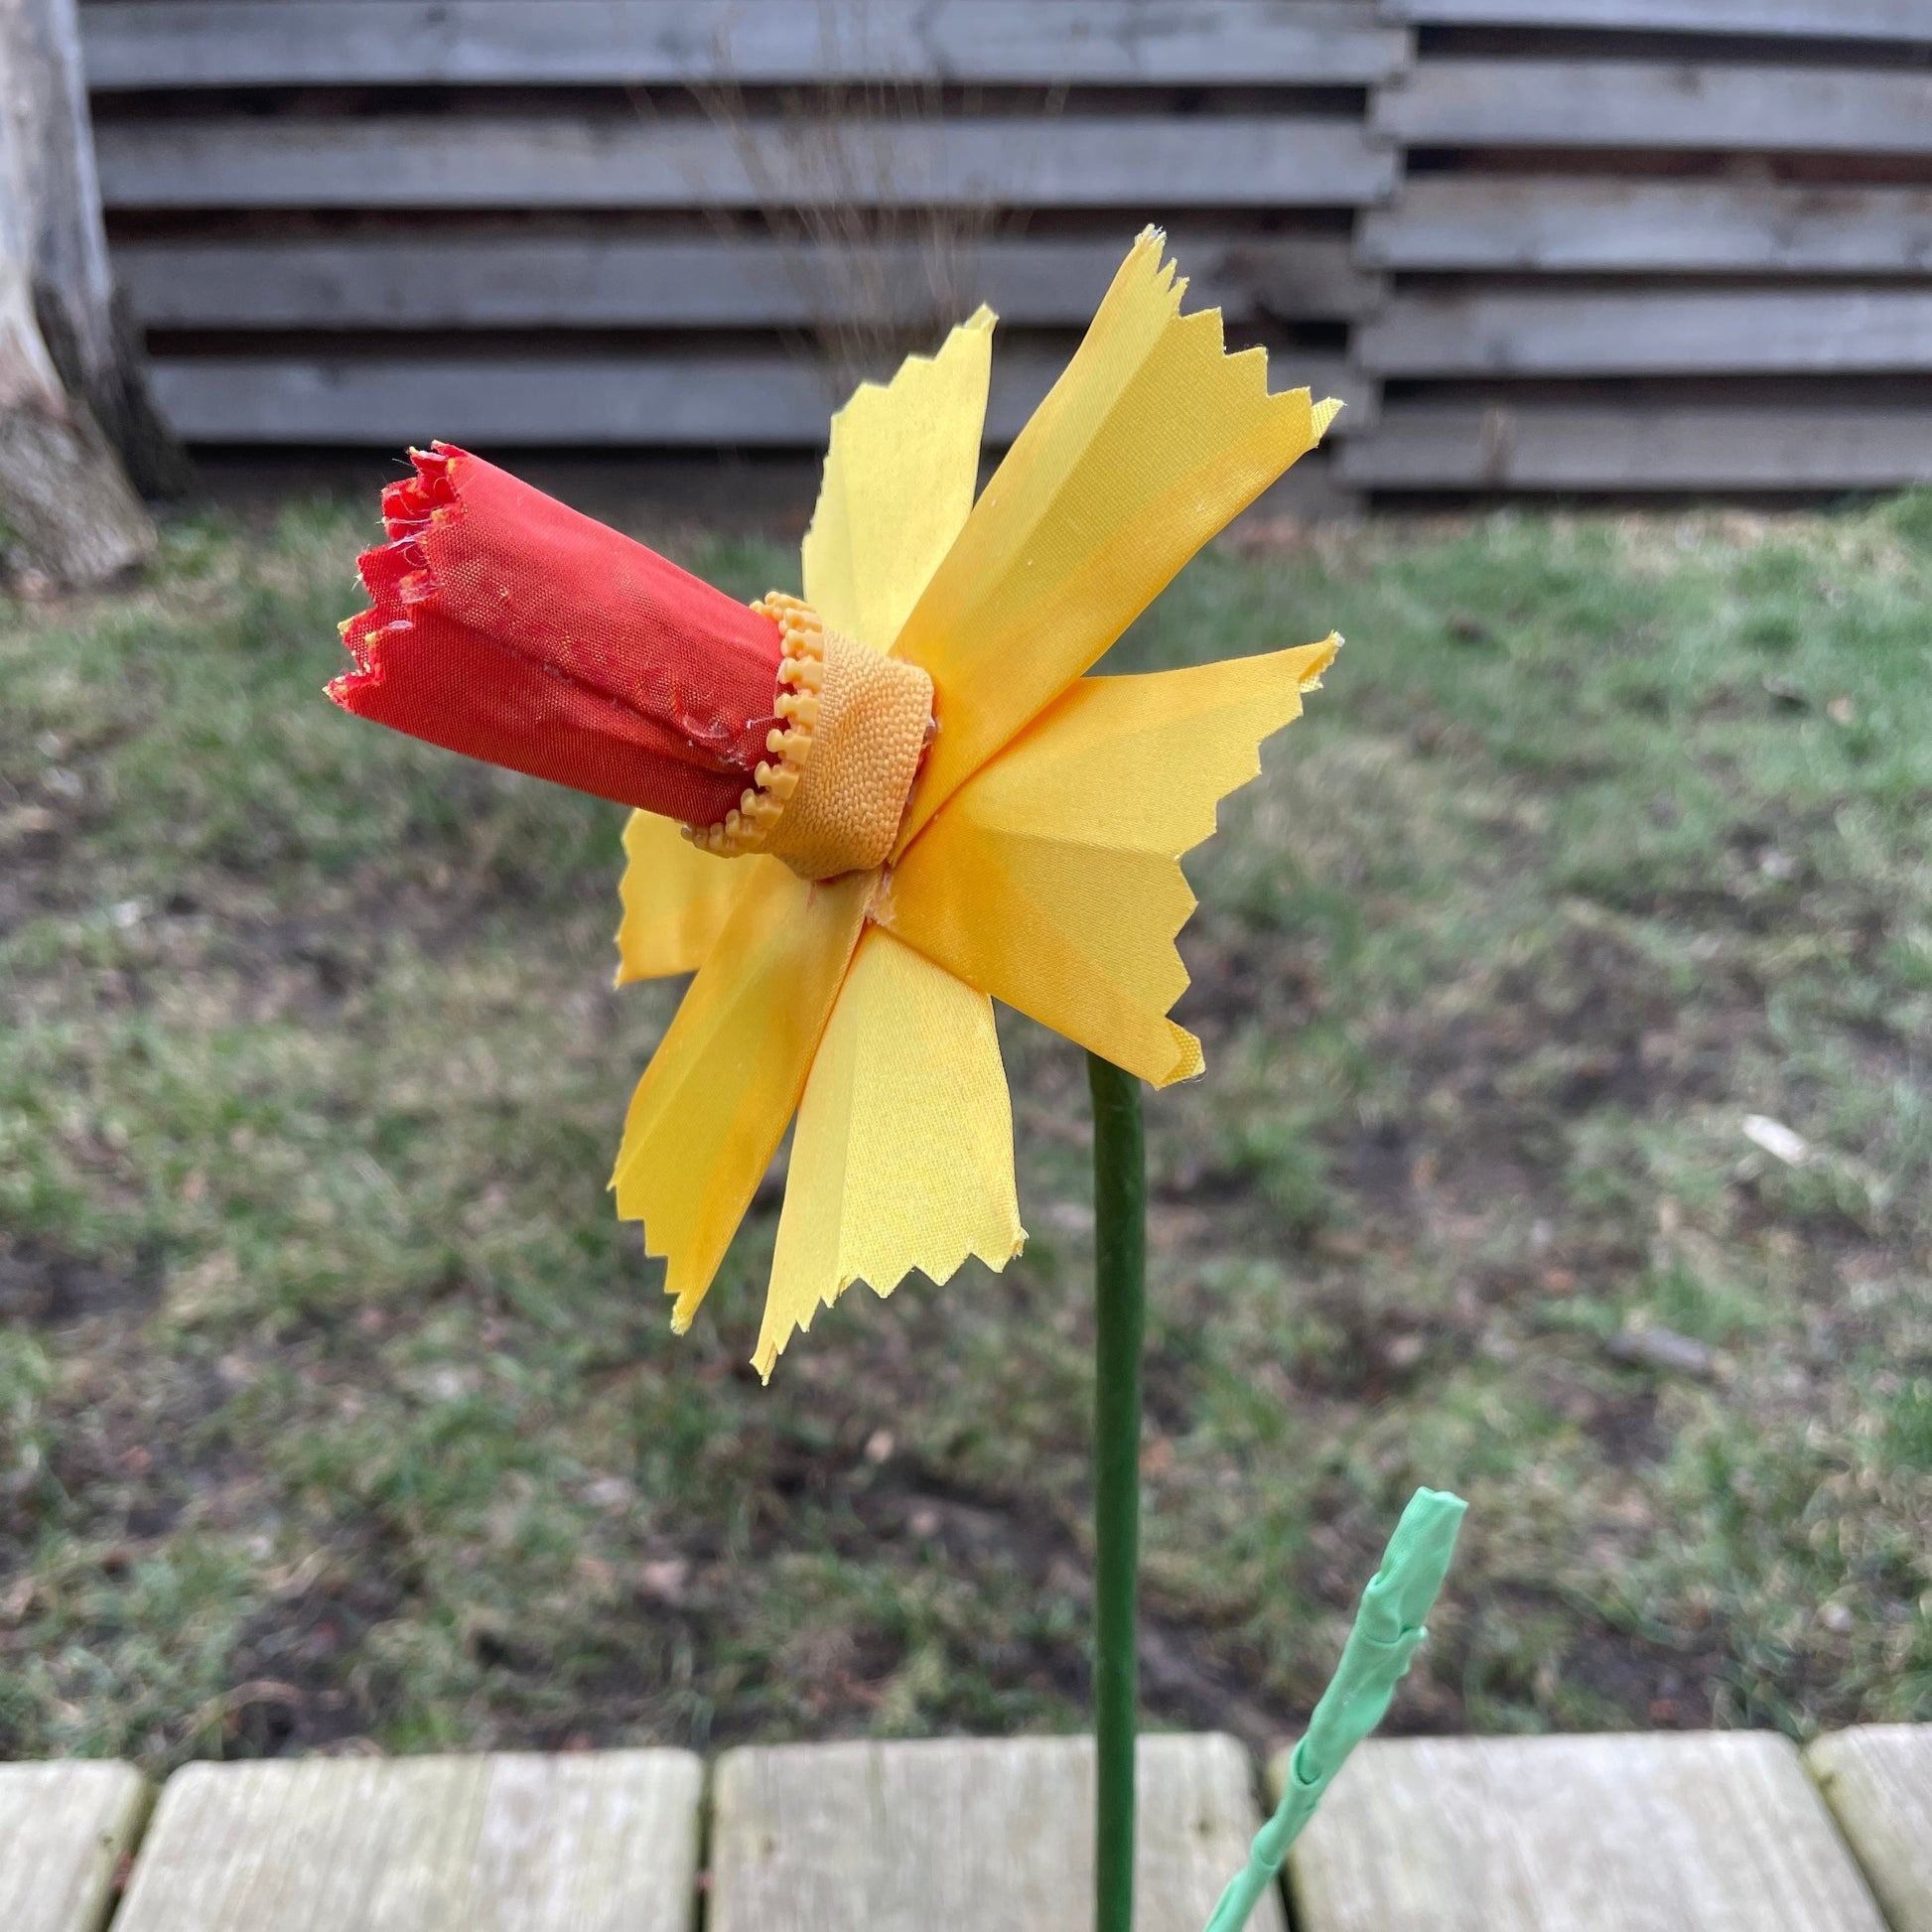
(853, 726)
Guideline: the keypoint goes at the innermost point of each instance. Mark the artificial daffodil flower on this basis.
(863, 815)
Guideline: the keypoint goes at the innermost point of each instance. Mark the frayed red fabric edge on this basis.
(387, 569)
(420, 669)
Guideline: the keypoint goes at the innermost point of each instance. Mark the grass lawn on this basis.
(336, 1406)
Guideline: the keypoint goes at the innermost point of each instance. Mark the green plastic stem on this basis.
(1388, 1627)
(1120, 1321)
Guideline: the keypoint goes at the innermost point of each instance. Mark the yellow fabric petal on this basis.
(903, 1156)
(1053, 879)
(1149, 443)
(675, 897)
(899, 477)
(715, 1100)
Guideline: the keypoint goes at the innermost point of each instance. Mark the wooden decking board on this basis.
(968, 1836)
(65, 1828)
(1659, 1831)
(1878, 1780)
(1711, 1832)
(603, 1842)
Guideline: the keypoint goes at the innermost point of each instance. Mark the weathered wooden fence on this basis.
(1536, 245)
(1645, 245)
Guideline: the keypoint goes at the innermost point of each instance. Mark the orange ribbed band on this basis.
(854, 725)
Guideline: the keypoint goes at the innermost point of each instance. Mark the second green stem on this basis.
(1120, 1321)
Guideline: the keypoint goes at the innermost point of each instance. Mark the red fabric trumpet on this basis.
(507, 627)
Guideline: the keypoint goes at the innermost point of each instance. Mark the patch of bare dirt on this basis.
(43, 1286)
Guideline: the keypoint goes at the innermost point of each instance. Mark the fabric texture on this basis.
(899, 477)
(719, 1092)
(507, 627)
(903, 1155)
(1051, 879)
(1037, 857)
(1146, 446)
(676, 900)
(872, 716)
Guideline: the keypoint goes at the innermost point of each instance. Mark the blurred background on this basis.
(1607, 245)
(1565, 979)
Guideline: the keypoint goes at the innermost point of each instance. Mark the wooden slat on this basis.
(749, 398)
(1744, 332)
(1470, 445)
(1585, 226)
(496, 281)
(158, 44)
(602, 1841)
(1647, 104)
(1669, 1832)
(1865, 20)
(527, 162)
(969, 1835)
(1878, 1780)
(64, 1829)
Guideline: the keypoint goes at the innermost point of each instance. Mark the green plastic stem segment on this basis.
(1120, 1320)
(1388, 1627)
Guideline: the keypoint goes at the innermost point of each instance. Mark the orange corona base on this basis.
(855, 726)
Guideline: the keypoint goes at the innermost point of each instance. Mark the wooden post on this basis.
(65, 383)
